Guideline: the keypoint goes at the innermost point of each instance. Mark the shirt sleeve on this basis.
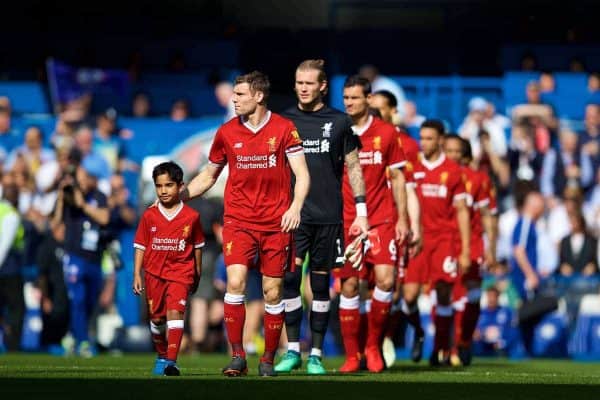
(292, 142)
(457, 188)
(217, 155)
(521, 232)
(197, 233)
(351, 141)
(409, 176)
(140, 240)
(396, 157)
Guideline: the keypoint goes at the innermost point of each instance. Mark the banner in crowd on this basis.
(68, 83)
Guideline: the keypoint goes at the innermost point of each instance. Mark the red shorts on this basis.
(272, 251)
(163, 295)
(436, 262)
(385, 241)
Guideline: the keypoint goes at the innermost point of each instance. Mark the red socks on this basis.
(349, 325)
(234, 311)
(458, 327)
(378, 316)
(273, 321)
(363, 325)
(174, 335)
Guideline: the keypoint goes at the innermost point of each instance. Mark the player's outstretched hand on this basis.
(138, 286)
(291, 219)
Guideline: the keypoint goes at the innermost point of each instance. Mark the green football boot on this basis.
(314, 366)
(289, 362)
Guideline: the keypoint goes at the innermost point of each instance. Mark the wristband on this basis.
(361, 209)
(360, 199)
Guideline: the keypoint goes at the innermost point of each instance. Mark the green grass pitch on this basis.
(30, 376)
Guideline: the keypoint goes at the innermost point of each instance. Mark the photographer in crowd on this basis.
(84, 211)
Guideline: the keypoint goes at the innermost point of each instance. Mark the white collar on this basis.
(255, 129)
(433, 164)
(360, 131)
(170, 217)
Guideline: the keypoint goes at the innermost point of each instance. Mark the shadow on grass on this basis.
(423, 367)
(277, 389)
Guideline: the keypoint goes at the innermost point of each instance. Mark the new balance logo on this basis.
(153, 229)
(238, 145)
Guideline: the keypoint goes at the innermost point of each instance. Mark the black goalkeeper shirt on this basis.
(327, 137)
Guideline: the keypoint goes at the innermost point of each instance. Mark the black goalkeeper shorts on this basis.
(323, 243)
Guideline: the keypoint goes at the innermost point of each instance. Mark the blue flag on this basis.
(68, 83)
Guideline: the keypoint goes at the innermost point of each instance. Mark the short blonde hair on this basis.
(317, 65)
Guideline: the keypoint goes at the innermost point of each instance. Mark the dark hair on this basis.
(257, 81)
(389, 96)
(11, 194)
(434, 124)
(521, 189)
(182, 102)
(170, 168)
(141, 93)
(580, 218)
(375, 112)
(357, 80)
(465, 146)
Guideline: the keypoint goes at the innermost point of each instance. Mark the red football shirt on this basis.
(169, 242)
(380, 150)
(409, 146)
(478, 196)
(258, 190)
(439, 184)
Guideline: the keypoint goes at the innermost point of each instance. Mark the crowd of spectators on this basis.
(546, 174)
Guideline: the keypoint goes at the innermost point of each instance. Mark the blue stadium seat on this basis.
(551, 336)
(585, 342)
(25, 97)
(513, 87)
(165, 88)
(571, 95)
